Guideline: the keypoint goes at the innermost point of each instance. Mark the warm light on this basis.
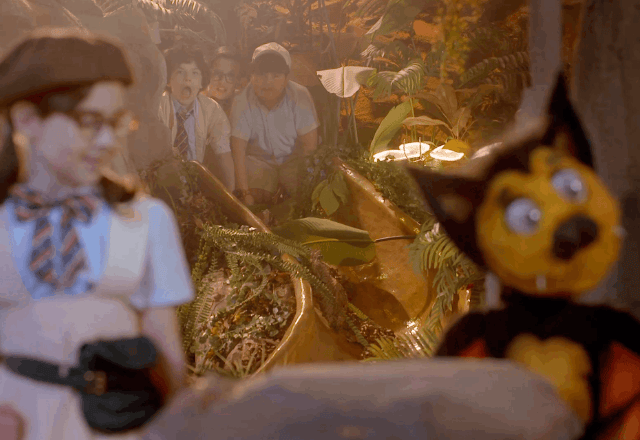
(446, 155)
(411, 150)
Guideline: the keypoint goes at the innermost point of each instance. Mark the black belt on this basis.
(82, 379)
(114, 378)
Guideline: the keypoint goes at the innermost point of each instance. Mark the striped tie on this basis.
(181, 144)
(31, 206)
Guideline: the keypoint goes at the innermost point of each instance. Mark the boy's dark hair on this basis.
(269, 63)
(178, 55)
(228, 52)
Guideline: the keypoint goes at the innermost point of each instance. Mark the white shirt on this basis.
(272, 134)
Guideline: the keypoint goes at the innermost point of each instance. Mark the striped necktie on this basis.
(181, 144)
(31, 206)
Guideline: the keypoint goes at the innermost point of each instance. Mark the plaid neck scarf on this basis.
(30, 206)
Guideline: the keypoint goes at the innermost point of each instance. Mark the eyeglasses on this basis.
(218, 76)
(122, 123)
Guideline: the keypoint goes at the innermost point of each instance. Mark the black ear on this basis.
(565, 130)
(453, 200)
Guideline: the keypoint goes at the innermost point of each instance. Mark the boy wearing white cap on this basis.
(273, 128)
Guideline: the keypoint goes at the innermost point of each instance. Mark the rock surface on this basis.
(425, 399)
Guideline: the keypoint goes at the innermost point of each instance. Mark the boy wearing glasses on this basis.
(274, 127)
(225, 77)
(199, 127)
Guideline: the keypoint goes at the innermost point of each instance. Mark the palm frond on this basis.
(190, 14)
(395, 51)
(371, 7)
(409, 80)
(111, 6)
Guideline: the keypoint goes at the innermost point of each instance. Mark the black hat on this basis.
(56, 57)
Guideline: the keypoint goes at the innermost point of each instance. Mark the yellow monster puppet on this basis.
(536, 215)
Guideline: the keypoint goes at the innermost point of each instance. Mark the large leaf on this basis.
(339, 244)
(395, 50)
(398, 15)
(199, 20)
(344, 81)
(475, 96)
(328, 200)
(447, 98)
(422, 120)
(461, 118)
(409, 79)
(389, 126)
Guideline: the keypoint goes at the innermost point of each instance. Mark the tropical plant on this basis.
(339, 244)
(191, 15)
(389, 126)
(433, 250)
(250, 257)
(450, 110)
(344, 82)
(330, 193)
(398, 15)
(499, 56)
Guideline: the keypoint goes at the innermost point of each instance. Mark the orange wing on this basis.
(620, 391)
(477, 349)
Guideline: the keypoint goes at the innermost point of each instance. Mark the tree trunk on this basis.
(607, 95)
(545, 40)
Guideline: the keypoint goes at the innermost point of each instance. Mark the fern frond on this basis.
(384, 349)
(517, 63)
(199, 312)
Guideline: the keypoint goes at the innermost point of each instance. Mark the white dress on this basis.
(54, 328)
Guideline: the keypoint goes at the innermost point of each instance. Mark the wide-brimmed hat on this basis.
(50, 58)
(272, 48)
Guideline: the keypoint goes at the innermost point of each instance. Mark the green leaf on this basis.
(422, 120)
(328, 201)
(340, 188)
(409, 79)
(448, 101)
(433, 106)
(389, 127)
(315, 196)
(461, 118)
(339, 244)
(397, 16)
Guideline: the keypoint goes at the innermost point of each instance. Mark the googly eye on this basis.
(569, 185)
(523, 216)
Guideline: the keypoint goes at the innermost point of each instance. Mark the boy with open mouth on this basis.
(199, 127)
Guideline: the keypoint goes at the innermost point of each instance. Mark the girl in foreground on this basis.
(91, 270)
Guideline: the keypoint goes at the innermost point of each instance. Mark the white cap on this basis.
(272, 48)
